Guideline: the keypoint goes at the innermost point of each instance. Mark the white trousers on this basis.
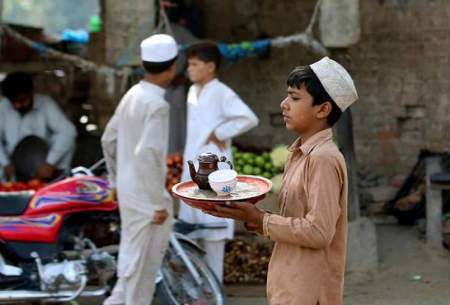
(136, 283)
(215, 252)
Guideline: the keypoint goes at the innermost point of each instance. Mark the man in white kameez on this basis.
(216, 114)
(24, 113)
(135, 147)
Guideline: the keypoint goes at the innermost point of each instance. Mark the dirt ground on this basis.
(403, 255)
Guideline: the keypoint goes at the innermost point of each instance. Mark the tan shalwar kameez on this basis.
(308, 261)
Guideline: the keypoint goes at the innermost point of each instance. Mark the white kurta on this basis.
(135, 147)
(217, 108)
(45, 120)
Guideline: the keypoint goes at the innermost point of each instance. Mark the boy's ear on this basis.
(211, 66)
(174, 65)
(324, 110)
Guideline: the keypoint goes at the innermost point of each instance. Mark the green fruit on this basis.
(259, 161)
(248, 170)
(247, 155)
(237, 155)
(257, 171)
(250, 161)
(265, 155)
(267, 175)
(240, 162)
(234, 149)
(268, 166)
(238, 169)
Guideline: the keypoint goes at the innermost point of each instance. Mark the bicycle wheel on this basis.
(178, 286)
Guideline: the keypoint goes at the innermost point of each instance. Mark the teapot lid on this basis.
(207, 157)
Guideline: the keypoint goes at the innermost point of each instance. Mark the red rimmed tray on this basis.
(249, 188)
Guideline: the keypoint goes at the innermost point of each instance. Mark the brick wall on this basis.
(401, 69)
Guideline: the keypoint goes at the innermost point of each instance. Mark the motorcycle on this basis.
(60, 243)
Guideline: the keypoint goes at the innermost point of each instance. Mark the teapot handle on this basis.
(224, 159)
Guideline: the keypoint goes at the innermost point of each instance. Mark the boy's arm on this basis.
(238, 118)
(109, 146)
(151, 153)
(316, 230)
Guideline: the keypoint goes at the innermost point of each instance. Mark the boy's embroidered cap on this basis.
(336, 81)
(159, 48)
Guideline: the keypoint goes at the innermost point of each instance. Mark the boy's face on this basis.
(298, 111)
(199, 71)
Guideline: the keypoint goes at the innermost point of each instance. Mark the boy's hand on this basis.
(45, 172)
(242, 211)
(159, 217)
(213, 138)
(114, 193)
(9, 171)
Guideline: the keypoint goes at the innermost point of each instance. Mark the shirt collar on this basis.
(207, 85)
(211, 82)
(154, 88)
(312, 142)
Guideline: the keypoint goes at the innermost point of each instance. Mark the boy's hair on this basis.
(304, 75)
(157, 67)
(16, 83)
(206, 51)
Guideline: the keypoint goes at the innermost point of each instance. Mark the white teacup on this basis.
(223, 181)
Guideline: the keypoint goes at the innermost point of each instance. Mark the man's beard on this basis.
(24, 110)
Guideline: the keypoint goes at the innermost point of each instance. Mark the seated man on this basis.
(23, 114)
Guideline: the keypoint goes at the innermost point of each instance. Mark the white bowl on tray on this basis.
(248, 188)
(223, 181)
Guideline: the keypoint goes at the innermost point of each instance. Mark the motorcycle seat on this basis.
(14, 204)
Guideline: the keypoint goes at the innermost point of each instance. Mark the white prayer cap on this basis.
(336, 81)
(158, 48)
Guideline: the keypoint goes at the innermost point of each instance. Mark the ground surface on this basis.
(403, 255)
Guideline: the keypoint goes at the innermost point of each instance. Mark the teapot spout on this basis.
(192, 171)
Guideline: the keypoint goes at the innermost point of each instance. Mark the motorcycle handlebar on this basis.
(87, 171)
(186, 227)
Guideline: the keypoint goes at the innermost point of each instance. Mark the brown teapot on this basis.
(208, 163)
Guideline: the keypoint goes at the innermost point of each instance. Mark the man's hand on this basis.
(114, 193)
(242, 211)
(160, 217)
(213, 139)
(45, 172)
(9, 172)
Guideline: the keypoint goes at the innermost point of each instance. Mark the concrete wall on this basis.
(400, 68)
(126, 23)
(362, 251)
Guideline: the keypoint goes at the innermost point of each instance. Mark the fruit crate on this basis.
(255, 163)
(246, 260)
(174, 164)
